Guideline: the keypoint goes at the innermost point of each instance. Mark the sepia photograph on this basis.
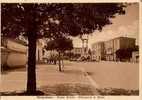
(70, 49)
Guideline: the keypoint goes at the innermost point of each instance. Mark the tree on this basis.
(125, 53)
(60, 45)
(53, 20)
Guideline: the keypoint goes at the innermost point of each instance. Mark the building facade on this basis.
(135, 56)
(107, 50)
(40, 50)
(98, 52)
(115, 44)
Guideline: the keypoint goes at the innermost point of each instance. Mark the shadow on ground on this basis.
(74, 89)
(6, 69)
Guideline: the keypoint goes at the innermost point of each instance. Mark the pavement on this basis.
(113, 75)
(96, 74)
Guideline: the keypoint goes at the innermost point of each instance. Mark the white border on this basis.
(66, 1)
(87, 1)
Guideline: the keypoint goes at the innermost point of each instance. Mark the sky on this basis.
(123, 25)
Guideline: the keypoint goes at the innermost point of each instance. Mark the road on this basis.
(97, 74)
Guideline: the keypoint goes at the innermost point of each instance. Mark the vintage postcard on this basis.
(70, 50)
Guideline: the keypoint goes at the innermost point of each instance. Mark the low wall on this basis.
(13, 58)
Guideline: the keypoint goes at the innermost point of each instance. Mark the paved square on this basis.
(97, 74)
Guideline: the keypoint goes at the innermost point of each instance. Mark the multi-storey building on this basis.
(107, 50)
(115, 44)
(98, 51)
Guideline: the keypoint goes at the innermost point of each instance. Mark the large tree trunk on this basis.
(31, 25)
(31, 74)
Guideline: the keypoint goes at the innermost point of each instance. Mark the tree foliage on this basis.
(125, 53)
(60, 44)
(73, 19)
